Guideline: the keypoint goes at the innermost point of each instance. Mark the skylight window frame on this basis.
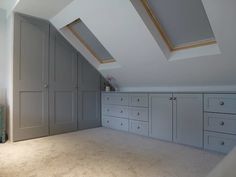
(80, 38)
(165, 37)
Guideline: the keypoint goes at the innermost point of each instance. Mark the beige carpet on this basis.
(103, 152)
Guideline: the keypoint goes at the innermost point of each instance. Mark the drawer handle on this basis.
(138, 100)
(138, 127)
(121, 111)
(121, 124)
(222, 143)
(222, 123)
(138, 114)
(222, 103)
(108, 98)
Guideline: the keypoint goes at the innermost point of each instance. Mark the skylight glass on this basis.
(89, 40)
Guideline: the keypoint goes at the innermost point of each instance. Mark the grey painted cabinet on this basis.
(160, 115)
(63, 84)
(89, 96)
(30, 78)
(188, 119)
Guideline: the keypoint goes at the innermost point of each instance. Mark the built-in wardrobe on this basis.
(55, 90)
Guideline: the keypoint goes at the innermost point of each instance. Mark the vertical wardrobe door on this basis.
(188, 119)
(63, 85)
(89, 114)
(30, 78)
(160, 116)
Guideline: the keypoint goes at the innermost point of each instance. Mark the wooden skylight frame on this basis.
(80, 38)
(165, 37)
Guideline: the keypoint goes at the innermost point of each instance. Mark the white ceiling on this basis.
(41, 8)
(142, 63)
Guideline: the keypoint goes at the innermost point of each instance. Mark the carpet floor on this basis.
(103, 152)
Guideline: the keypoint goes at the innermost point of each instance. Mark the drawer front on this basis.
(116, 111)
(222, 103)
(115, 99)
(138, 113)
(224, 123)
(115, 123)
(219, 142)
(138, 127)
(139, 100)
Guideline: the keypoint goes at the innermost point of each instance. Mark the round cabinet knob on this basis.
(108, 121)
(222, 123)
(121, 99)
(174, 98)
(138, 100)
(138, 127)
(121, 124)
(171, 98)
(222, 103)
(121, 111)
(222, 143)
(108, 110)
(108, 98)
(45, 86)
(138, 113)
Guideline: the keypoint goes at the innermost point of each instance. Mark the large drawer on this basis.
(138, 127)
(225, 123)
(116, 111)
(222, 103)
(138, 100)
(115, 98)
(138, 113)
(115, 123)
(219, 142)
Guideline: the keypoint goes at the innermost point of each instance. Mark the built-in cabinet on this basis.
(177, 117)
(195, 119)
(55, 90)
(220, 122)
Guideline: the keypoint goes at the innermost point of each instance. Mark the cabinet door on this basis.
(63, 85)
(30, 75)
(160, 114)
(89, 97)
(188, 119)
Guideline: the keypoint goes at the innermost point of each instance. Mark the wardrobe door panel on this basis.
(63, 85)
(30, 78)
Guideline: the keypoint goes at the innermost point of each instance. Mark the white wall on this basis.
(3, 59)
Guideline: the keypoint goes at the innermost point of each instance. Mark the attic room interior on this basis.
(117, 88)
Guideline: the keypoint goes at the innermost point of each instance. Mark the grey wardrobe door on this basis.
(30, 74)
(89, 97)
(160, 112)
(63, 84)
(188, 119)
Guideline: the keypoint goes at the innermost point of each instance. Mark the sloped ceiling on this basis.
(142, 63)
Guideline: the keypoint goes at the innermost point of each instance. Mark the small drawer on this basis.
(115, 123)
(138, 100)
(138, 113)
(222, 103)
(219, 142)
(224, 123)
(116, 111)
(138, 127)
(115, 99)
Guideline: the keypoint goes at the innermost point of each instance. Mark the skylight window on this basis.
(89, 40)
(182, 23)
